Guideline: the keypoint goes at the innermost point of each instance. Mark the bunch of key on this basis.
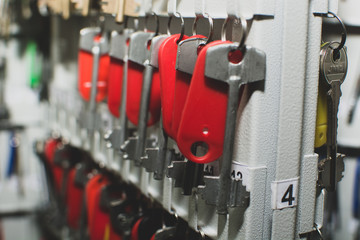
(333, 69)
(174, 99)
(89, 201)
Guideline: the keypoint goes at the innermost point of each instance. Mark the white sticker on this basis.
(284, 193)
(239, 172)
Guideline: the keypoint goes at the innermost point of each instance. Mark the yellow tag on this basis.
(321, 117)
(107, 232)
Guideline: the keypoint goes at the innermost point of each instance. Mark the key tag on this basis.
(187, 53)
(167, 62)
(98, 221)
(139, 54)
(118, 54)
(74, 200)
(88, 60)
(201, 127)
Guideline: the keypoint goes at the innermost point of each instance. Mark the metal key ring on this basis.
(157, 22)
(211, 25)
(343, 34)
(182, 31)
(244, 29)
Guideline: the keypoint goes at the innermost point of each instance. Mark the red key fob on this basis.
(203, 119)
(88, 36)
(74, 201)
(118, 52)
(98, 220)
(167, 63)
(116, 69)
(135, 230)
(139, 51)
(185, 63)
(50, 147)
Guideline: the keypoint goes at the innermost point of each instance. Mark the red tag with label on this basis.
(74, 200)
(85, 65)
(182, 84)
(133, 96)
(167, 63)
(202, 124)
(115, 83)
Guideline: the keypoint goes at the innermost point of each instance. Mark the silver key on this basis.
(118, 50)
(250, 69)
(91, 120)
(333, 70)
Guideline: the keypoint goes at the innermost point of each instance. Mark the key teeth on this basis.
(175, 171)
(341, 166)
(129, 148)
(113, 137)
(209, 192)
(148, 160)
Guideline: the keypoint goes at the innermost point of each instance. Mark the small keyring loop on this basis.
(343, 35)
(182, 30)
(211, 25)
(224, 27)
(156, 19)
(244, 29)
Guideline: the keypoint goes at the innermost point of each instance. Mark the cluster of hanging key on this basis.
(333, 70)
(190, 84)
(88, 201)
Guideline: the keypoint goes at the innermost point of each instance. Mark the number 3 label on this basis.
(284, 193)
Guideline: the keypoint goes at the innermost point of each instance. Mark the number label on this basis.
(284, 193)
(239, 171)
(212, 169)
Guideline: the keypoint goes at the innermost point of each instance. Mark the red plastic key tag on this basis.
(118, 52)
(187, 54)
(139, 53)
(89, 37)
(203, 119)
(167, 63)
(74, 200)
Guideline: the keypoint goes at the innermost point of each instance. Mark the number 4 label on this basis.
(284, 193)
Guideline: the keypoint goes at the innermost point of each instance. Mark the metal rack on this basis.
(275, 129)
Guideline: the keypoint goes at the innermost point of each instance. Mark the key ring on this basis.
(343, 36)
(343, 33)
(182, 30)
(244, 29)
(156, 20)
(211, 25)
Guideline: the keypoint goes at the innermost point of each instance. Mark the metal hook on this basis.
(182, 31)
(126, 22)
(157, 22)
(101, 20)
(211, 25)
(343, 35)
(318, 230)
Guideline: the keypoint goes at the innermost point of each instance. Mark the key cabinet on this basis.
(273, 177)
